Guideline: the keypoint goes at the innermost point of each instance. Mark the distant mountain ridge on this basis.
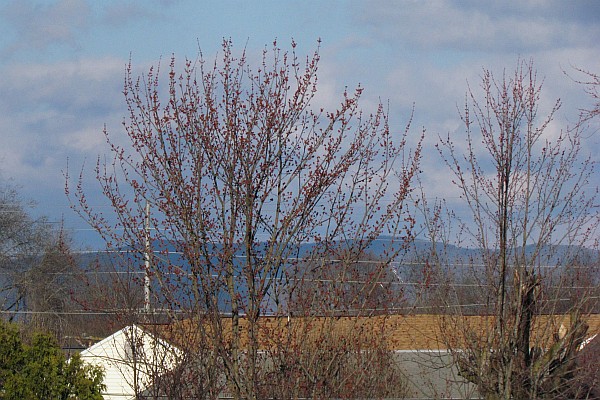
(417, 251)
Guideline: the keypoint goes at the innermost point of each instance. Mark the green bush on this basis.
(40, 370)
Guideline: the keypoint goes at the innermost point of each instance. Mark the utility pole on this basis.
(147, 261)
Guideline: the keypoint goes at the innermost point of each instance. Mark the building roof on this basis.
(128, 359)
(396, 332)
(419, 343)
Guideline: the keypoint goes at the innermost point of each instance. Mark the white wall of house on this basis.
(131, 359)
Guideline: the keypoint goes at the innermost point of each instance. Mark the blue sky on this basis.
(62, 66)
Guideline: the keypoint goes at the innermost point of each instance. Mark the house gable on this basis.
(131, 359)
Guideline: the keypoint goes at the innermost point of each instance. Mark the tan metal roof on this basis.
(395, 332)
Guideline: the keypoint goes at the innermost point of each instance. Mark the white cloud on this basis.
(66, 85)
(38, 26)
(122, 13)
(493, 26)
(50, 112)
(86, 141)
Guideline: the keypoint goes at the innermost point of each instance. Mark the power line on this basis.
(389, 310)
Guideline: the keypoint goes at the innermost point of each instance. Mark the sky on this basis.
(62, 65)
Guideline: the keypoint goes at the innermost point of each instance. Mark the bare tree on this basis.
(244, 179)
(530, 215)
(345, 284)
(38, 274)
(21, 244)
(324, 357)
(46, 288)
(591, 84)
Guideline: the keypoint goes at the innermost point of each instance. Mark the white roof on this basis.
(130, 357)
